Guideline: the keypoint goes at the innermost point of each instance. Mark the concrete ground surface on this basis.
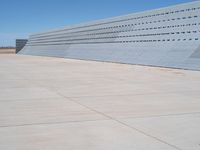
(54, 103)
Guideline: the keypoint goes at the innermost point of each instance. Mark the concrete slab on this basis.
(180, 130)
(26, 93)
(43, 111)
(54, 103)
(94, 135)
(143, 105)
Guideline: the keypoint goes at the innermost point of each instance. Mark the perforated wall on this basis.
(168, 37)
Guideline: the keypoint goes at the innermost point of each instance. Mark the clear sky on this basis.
(20, 18)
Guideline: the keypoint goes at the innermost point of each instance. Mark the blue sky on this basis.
(20, 18)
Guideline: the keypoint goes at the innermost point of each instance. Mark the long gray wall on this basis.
(168, 37)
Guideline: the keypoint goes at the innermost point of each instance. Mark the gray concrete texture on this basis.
(64, 104)
(168, 37)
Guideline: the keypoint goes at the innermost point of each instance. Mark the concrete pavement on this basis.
(54, 103)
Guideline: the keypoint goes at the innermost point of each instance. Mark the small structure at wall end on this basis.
(20, 43)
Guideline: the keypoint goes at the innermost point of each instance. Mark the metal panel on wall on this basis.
(168, 37)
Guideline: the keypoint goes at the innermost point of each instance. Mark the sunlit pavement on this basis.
(62, 104)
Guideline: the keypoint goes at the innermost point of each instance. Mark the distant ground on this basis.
(7, 50)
